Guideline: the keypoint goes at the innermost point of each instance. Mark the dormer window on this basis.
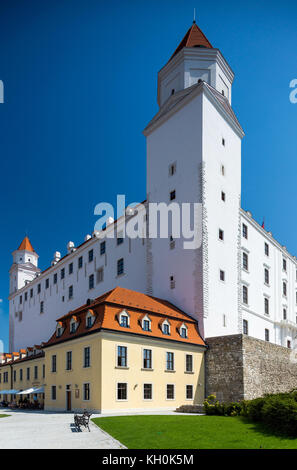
(90, 318)
(73, 325)
(183, 331)
(166, 327)
(59, 330)
(146, 323)
(124, 319)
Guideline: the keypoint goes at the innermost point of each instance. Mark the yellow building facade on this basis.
(125, 351)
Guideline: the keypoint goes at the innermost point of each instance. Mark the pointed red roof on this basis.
(26, 245)
(194, 38)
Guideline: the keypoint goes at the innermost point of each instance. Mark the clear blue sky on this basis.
(80, 85)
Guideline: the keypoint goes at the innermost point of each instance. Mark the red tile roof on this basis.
(193, 38)
(108, 307)
(26, 245)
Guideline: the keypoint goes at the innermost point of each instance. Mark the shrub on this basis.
(281, 414)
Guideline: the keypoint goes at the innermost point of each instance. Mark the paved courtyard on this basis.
(44, 430)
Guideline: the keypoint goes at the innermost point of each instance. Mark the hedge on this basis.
(279, 411)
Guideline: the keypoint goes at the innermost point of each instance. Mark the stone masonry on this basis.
(239, 367)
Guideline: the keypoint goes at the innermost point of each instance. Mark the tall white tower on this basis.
(194, 155)
(24, 267)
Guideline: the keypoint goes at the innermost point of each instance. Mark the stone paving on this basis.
(45, 430)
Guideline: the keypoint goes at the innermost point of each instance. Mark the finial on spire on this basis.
(194, 17)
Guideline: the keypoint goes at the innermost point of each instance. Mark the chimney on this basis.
(70, 247)
(57, 257)
(109, 221)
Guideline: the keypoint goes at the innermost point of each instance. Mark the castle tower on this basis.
(24, 267)
(194, 155)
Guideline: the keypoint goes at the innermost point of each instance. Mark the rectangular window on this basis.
(223, 140)
(172, 195)
(120, 266)
(121, 391)
(35, 372)
(223, 196)
(69, 360)
(70, 292)
(245, 327)
(120, 238)
(86, 392)
(91, 281)
(221, 234)
(245, 231)
(288, 344)
(102, 248)
(54, 392)
(70, 268)
(147, 358)
(28, 373)
(80, 262)
(266, 306)
(147, 391)
(170, 392)
(43, 371)
(172, 169)
(266, 334)
(87, 357)
(284, 264)
(55, 278)
(14, 375)
(189, 392)
(222, 275)
(285, 289)
(169, 361)
(91, 255)
(100, 275)
(172, 282)
(21, 375)
(245, 261)
(47, 283)
(266, 249)
(189, 363)
(31, 293)
(38, 288)
(62, 273)
(284, 313)
(26, 296)
(146, 325)
(245, 297)
(266, 276)
(122, 356)
(21, 299)
(54, 363)
(41, 307)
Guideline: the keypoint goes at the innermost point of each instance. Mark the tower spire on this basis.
(194, 17)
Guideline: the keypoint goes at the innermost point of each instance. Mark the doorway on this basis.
(68, 398)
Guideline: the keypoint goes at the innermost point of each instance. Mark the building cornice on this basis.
(267, 235)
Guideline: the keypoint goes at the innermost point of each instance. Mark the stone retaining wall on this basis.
(240, 367)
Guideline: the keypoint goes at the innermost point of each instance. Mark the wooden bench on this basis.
(82, 420)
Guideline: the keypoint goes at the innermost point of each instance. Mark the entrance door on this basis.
(68, 399)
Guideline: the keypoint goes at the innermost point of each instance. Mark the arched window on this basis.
(124, 319)
(90, 318)
(183, 331)
(166, 327)
(146, 323)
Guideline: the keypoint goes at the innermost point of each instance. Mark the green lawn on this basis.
(192, 432)
(4, 416)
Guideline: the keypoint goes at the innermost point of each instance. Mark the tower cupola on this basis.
(194, 59)
(24, 267)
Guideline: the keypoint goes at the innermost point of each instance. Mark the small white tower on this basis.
(24, 267)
